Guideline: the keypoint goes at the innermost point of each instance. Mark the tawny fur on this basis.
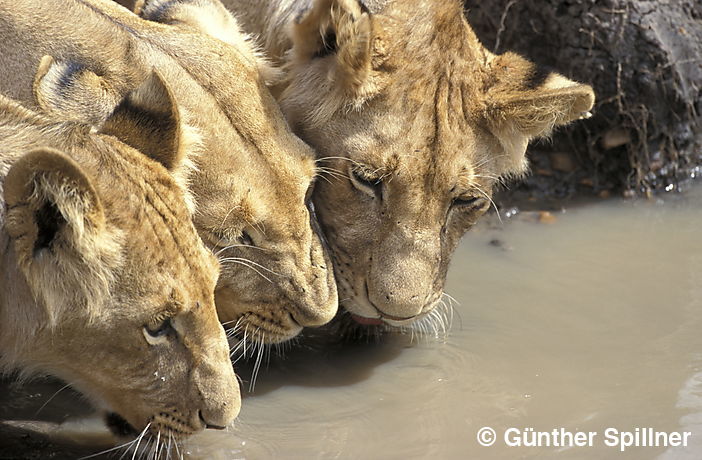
(402, 94)
(96, 244)
(251, 178)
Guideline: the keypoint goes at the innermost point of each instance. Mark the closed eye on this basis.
(160, 333)
(468, 202)
(366, 182)
(229, 238)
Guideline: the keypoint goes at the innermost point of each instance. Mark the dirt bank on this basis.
(643, 57)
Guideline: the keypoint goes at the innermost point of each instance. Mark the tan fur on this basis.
(96, 245)
(251, 178)
(409, 99)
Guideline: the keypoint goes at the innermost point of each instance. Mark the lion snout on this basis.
(401, 291)
(219, 399)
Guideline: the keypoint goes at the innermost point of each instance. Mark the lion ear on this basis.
(148, 119)
(341, 33)
(73, 92)
(525, 102)
(51, 204)
(209, 17)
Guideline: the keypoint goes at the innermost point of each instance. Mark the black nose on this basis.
(209, 426)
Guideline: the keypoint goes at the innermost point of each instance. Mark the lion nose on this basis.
(218, 418)
(398, 306)
(217, 388)
(208, 425)
(401, 282)
(314, 315)
(318, 300)
(400, 294)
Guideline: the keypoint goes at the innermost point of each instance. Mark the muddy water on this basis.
(588, 322)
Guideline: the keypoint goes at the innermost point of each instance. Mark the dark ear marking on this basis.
(49, 220)
(150, 126)
(148, 120)
(51, 203)
(73, 91)
(66, 78)
(302, 14)
(364, 7)
(537, 77)
(156, 11)
(329, 45)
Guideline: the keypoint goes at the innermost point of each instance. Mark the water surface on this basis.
(587, 321)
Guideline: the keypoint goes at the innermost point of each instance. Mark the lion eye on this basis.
(467, 202)
(229, 239)
(365, 182)
(160, 333)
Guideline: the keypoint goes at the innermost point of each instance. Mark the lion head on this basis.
(253, 183)
(416, 122)
(105, 282)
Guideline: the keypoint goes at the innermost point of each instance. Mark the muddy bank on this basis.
(644, 59)
(38, 420)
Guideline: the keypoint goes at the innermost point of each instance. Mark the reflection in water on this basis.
(588, 322)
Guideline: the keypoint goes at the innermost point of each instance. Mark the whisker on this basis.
(112, 449)
(335, 173)
(168, 449)
(256, 264)
(257, 365)
(52, 397)
(332, 170)
(491, 201)
(139, 438)
(324, 178)
(243, 262)
(232, 246)
(337, 158)
(177, 449)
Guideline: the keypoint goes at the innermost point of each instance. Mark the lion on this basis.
(417, 121)
(104, 281)
(252, 179)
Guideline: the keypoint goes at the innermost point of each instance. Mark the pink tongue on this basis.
(367, 321)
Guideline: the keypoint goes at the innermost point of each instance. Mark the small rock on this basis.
(656, 165)
(562, 162)
(498, 243)
(615, 137)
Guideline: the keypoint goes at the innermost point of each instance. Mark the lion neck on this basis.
(22, 315)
